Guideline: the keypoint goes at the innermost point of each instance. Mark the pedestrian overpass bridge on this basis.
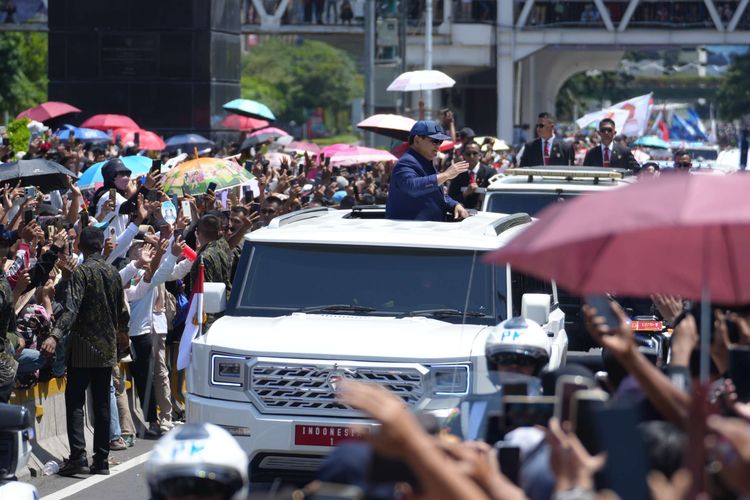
(511, 57)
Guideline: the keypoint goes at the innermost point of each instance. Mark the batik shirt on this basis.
(217, 266)
(94, 312)
(8, 364)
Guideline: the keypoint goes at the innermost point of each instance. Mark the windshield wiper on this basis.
(437, 313)
(337, 308)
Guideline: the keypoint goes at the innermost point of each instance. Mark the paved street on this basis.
(126, 480)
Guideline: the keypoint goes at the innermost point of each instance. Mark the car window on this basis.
(283, 278)
(530, 202)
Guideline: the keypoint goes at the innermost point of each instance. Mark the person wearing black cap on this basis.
(415, 191)
(94, 313)
(116, 175)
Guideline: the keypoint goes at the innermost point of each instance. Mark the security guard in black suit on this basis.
(609, 153)
(547, 149)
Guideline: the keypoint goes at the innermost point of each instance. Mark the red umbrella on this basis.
(146, 139)
(678, 234)
(243, 123)
(110, 122)
(47, 111)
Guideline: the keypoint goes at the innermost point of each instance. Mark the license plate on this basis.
(327, 435)
(646, 326)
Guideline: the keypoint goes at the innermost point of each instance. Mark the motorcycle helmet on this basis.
(518, 342)
(202, 460)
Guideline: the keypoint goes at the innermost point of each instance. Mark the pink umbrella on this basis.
(110, 122)
(47, 111)
(343, 155)
(269, 131)
(146, 139)
(243, 123)
(394, 126)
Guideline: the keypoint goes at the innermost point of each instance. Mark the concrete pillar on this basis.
(505, 70)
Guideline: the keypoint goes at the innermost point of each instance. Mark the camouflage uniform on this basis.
(217, 266)
(94, 312)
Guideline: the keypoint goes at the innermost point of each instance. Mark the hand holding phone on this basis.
(186, 210)
(211, 187)
(565, 388)
(603, 307)
(155, 166)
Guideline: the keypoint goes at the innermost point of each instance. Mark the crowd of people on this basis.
(94, 278)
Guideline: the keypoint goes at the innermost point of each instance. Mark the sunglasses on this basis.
(512, 358)
(606, 130)
(471, 153)
(540, 125)
(684, 164)
(436, 142)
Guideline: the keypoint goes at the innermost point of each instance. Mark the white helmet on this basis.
(199, 460)
(519, 341)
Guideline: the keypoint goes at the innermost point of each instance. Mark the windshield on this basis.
(328, 279)
(530, 202)
(703, 154)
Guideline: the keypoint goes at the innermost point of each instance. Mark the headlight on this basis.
(227, 370)
(450, 379)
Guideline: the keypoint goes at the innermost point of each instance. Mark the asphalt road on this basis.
(126, 480)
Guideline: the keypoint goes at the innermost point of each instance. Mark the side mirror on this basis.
(214, 298)
(535, 306)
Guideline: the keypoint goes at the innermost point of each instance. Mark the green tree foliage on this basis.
(19, 135)
(294, 79)
(23, 71)
(733, 97)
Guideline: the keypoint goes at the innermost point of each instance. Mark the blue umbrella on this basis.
(83, 134)
(652, 141)
(138, 165)
(253, 109)
(187, 141)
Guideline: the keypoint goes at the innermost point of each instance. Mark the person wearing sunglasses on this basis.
(416, 188)
(683, 162)
(547, 148)
(610, 154)
(464, 187)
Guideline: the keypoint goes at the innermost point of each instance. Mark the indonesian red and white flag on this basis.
(193, 322)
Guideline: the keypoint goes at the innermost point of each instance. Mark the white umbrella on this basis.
(426, 79)
(421, 80)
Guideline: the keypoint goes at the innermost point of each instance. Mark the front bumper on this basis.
(267, 439)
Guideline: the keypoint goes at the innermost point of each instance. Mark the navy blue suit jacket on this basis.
(414, 193)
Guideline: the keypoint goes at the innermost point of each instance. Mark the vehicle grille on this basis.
(306, 388)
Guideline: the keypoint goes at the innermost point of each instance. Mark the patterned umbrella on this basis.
(196, 175)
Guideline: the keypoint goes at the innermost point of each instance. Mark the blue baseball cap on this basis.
(428, 128)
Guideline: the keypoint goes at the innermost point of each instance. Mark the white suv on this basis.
(531, 189)
(322, 294)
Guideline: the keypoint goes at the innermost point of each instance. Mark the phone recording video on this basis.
(603, 306)
(583, 410)
(29, 192)
(155, 166)
(527, 411)
(28, 216)
(212, 187)
(565, 388)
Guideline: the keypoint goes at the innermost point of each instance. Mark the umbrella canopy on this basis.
(302, 147)
(92, 177)
(110, 122)
(47, 175)
(497, 144)
(147, 140)
(252, 109)
(47, 111)
(82, 134)
(188, 141)
(678, 234)
(196, 175)
(243, 123)
(421, 80)
(394, 126)
(263, 135)
(652, 141)
(344, 155)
